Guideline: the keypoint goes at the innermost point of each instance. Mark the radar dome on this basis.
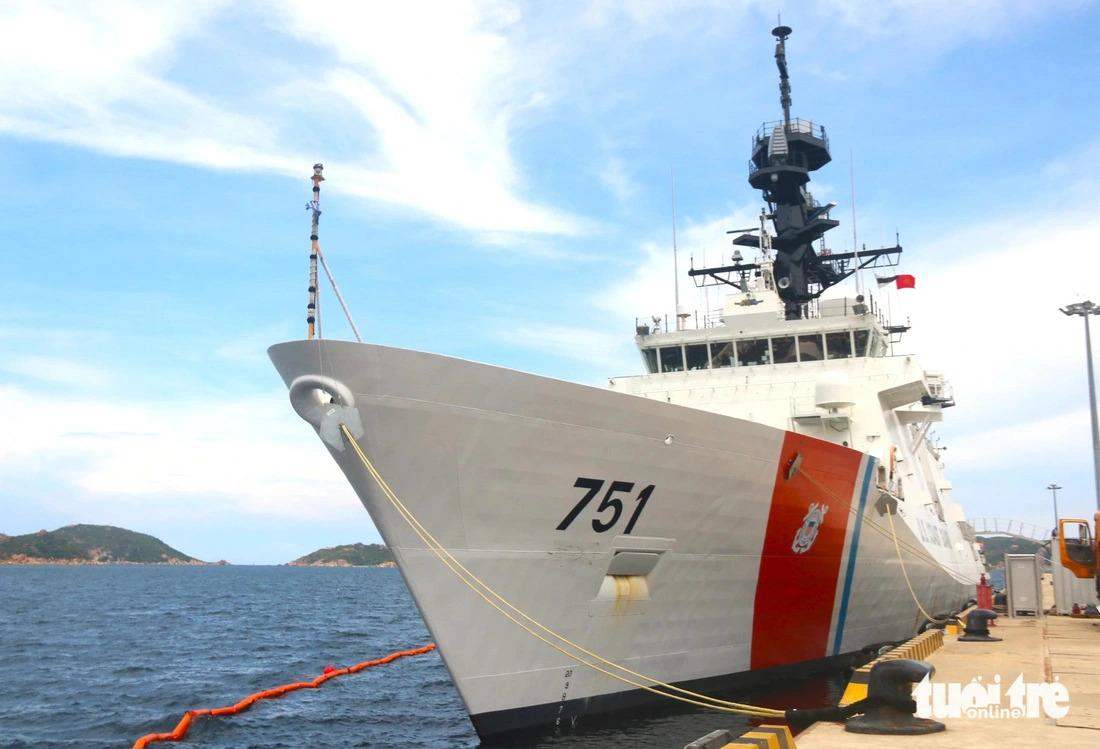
(834, 390)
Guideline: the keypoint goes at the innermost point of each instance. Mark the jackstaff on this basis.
(313, 312)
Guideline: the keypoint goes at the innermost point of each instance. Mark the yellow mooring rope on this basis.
(915, 551)
(923, 555)
(483, 590)
(905, 574)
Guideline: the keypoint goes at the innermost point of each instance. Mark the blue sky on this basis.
(498, 189)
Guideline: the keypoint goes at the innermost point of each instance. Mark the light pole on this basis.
(1084, 309)
(1054, 490)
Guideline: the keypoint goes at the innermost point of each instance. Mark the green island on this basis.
(379, 555)
(997, 546)
(105, 544)
(90, 544)
(348, 555)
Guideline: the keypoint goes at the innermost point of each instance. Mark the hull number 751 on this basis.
(610, 509)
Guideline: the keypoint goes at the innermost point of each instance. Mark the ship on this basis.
(763, 500)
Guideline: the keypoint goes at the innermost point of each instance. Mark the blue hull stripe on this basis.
(852, 557)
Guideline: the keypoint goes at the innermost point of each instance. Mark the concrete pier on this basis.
(1043, 650)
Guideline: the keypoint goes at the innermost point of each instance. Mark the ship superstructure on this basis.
(756, 504)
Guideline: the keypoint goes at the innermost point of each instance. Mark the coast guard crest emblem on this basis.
(807, 534)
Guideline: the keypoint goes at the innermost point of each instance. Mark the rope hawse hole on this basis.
(325, 403)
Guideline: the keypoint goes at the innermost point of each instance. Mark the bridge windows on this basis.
(839, 345)
(672, 359)
(721, 354)
(753, 352)
(696, 356)
(810, 348)
(783, 350)
(749, 352)
(862, 339)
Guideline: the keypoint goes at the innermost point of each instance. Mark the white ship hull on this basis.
(705, 576)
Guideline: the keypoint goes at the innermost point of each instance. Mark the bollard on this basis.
(939, 620)
(977, 627)
(890, 687)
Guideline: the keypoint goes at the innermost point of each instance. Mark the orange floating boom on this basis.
(185, 723)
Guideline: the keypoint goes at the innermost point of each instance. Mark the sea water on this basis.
(97, 656)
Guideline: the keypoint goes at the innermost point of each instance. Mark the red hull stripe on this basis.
(796, 587)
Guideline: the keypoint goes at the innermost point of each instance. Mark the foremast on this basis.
(783, 155)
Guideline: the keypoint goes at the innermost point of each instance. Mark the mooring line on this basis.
(892, 534)
(905, 574)
(898, 545)
(330, 673)
(483, 590)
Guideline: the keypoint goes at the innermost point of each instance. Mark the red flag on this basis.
(906, 282)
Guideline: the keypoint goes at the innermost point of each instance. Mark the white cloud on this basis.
(59, 371)
(251, 347)
(436, 88)
(938, 24)
(440, 97)
(649, 288)
(614, 176)
(1010, 442)
(201, 460)
(435, 91)
(986, 311)
(595, 347)
(93, 76)
(913, 27)
(93, 44)
(1074, 172)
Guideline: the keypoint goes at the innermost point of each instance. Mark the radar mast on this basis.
(783, 155)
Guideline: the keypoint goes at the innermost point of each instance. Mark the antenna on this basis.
(781, 33)
(706, 291)
(314, 306)
(675, 252)
(312, 311)
(855, 245)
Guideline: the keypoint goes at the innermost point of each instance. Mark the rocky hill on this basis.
(997, 546)
(348, 555)
(89, 544)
